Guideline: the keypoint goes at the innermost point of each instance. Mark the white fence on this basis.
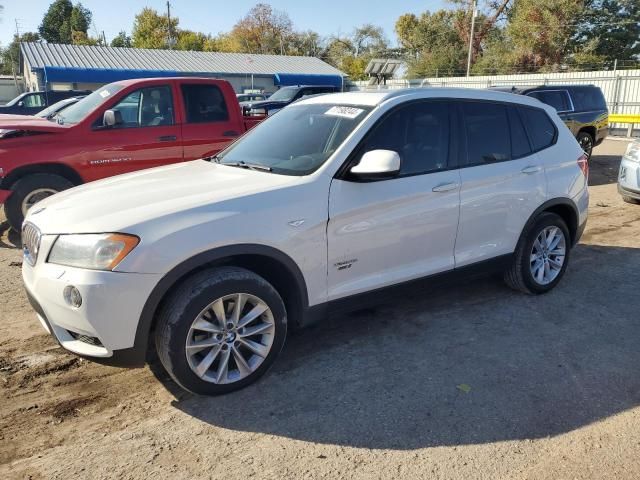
(10, 88)
(621, 88)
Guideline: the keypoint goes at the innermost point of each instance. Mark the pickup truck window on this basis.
(298, 139)
(204, 103)
(78, 112)
(146, 107)
(34, 100)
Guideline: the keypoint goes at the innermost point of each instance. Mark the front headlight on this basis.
(633, 151)
(93, 251)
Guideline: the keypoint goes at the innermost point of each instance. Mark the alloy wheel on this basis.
(230, 338)
(34, 197)
(548, 255)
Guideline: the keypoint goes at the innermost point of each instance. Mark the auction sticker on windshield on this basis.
(346, 112)
(104, 93)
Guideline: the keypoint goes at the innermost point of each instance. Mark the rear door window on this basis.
(204, 103)
(487, 132)
(520, 146)
(558, 99)
(542, 131)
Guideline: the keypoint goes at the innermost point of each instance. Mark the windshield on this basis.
(298, 139)
(15, 100)
(79, 111)
(56, 107)
(284, 95)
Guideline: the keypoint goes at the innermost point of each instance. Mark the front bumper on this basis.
(104, 327)
(629, 178)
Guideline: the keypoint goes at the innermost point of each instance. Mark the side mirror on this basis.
(377, 165)
(111, 118)
(21, 103)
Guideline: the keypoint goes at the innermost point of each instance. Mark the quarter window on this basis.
(488, 132)
(541, 129)
(419, 133)
(204, 104)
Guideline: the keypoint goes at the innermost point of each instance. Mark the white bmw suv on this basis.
(210, 262)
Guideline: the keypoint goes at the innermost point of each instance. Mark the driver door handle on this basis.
(445, 187)
(531, 169)
(168, 138)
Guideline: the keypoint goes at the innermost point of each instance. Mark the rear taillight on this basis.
(583, 163)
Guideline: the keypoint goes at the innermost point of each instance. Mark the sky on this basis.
(328, 17)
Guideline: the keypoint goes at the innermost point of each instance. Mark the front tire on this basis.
(221, 330)
(541, 256)
(29, 190)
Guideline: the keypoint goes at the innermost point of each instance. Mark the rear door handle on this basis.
(230, 133)
(168, 138)
(531, 169)
(445, 187)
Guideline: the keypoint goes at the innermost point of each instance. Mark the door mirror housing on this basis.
(111, 118)
(377, 165)
(21, 103)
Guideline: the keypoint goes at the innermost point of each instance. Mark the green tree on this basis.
(262, 30)
(11, 54)
(352, 53)
(608, 30)
(121, 40)
(63, 21)
(188, 40)
(151, 30)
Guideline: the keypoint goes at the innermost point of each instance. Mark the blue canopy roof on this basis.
(100, 75)
(288, 79)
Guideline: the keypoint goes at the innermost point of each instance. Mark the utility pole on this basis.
(17, 60)
(474, 12)
(170, 40)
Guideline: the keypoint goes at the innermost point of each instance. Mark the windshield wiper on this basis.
(250, 166)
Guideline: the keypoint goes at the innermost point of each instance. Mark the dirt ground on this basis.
(473, 381)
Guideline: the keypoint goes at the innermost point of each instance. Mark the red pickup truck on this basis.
(121, 127)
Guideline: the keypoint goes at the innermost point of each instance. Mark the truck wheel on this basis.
(220, 330)
(541, 256)
(586, 143)
(30, 190)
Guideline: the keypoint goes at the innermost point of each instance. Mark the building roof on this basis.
(41, 55)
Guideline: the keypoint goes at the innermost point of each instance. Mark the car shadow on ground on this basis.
(603, 169)
(9, 238)
(470, 364)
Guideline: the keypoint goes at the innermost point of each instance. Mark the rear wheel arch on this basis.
(565, 209)
(273, 265)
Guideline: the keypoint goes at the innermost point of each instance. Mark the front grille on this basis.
(30, 242)
(86, 339)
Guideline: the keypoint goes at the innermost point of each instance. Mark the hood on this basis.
(6, 117)
(120, 204)
(30, 124)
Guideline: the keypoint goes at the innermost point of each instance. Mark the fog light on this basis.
(72, 296)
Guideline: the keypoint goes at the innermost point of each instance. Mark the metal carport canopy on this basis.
(289, 79)
(101, 75)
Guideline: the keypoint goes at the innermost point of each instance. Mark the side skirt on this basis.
(317, 313)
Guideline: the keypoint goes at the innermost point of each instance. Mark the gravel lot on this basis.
(473, 381)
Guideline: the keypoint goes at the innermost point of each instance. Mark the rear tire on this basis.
(531, 255)
(29, 190)
(586, 142)
(205, 345)
(632, 200)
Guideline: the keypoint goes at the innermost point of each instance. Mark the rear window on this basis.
(558, 99)
(542, 131)
(487, 127)
(589, 98)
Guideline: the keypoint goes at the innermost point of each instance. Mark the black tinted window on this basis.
(519, 142)
(558, 99)
(487, 129)
(204, 103)
(541, 129)
(419, 133)
(588, 98)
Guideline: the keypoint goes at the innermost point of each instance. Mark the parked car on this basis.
(46, 113)
(320, 207)
(582, 108)
(629, 174)
(30, 103)
(284, 97)
(246, 98)
(122, 127)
